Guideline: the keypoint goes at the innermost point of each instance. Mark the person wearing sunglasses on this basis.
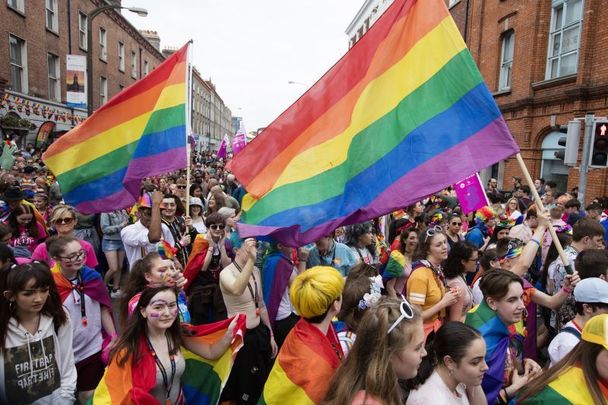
(210, 254)
(143, 236)
(172, 215)
(426, 285)
(454, 230)
(389, 348)
(63, 220)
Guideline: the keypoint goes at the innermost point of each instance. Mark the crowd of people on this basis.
(425, 304)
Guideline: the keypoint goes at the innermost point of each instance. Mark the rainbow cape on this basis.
(304, 367)
(94, 286)
(497, 336)
(403, 114)
(395, 267)
(202, 381)
(569, 388)
(276, 271)
(140, 132)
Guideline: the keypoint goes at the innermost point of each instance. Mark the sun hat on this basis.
(595, 330)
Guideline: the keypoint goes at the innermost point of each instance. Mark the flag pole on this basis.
(541, 208)
(188, 127)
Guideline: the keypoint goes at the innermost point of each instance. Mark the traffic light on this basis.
(570, 154)
(599, 146)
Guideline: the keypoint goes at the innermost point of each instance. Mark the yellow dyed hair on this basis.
(313, 291)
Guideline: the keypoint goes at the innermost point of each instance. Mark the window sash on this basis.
(133, 64)
(16, 58)
(564, 38)
(102, 44)
(51, 15)
(506, 63)
(82, 31)
(17, 5)
(121, 57)
(103, 90)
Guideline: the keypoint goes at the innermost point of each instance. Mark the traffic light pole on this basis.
(584, 167)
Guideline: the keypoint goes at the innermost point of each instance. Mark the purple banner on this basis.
(239, 142)
(221, 152)
(471, 194)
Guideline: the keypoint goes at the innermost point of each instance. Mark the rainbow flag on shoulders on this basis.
(202, 382)
(140, 132)
(403, 114)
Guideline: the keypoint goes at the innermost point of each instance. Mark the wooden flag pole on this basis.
(541, 208)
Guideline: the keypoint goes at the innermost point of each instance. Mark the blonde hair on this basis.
(60, 210)
(313, 291)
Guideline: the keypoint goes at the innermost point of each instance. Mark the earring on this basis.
(11, 306)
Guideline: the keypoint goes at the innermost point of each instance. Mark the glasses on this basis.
(457, 223)
(406, 313)
(74, 257)
(64, 221)
(432, 231)
(216, 227)
(181, 187)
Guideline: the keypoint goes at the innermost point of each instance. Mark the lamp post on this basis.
(142, 12)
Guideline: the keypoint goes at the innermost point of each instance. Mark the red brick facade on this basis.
(533, 104)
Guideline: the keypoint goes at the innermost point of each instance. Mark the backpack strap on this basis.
(572, 331)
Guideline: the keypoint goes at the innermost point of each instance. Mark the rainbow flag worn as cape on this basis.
(276, 271)
(94, 286)
(395, 267)
(304, 367)
(497, 337)
(202, 381)
(569, 388)
(140, 132)
(403, 114)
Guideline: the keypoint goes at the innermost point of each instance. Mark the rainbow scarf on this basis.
(403, 114)
(276, 271)
(497, 336)
(94, 286)
(304, 367)
(202, 381)
(569, 388)
(140, 132)
(395, 266)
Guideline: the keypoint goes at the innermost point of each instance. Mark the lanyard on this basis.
(253, 296)
(168, 385)
(79, 287)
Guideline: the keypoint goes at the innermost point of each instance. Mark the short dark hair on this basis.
(461, 251)
(215, 218)
(578, 306)
(594, 207)
(525, 188)
(586, 227)
(551, 184)
(573, 203)
(495, 283)
(592, 263)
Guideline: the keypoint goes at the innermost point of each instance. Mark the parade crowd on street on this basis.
(425, 305)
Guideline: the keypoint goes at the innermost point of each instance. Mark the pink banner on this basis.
(239, 142)
(221, 151)
(471, 194)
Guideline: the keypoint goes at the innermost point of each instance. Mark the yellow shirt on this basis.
(425, 289)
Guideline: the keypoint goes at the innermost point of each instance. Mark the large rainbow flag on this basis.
(569, 388)
(202, 381)
(138, 133)
(402, 115)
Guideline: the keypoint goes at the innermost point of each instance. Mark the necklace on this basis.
(166, 383)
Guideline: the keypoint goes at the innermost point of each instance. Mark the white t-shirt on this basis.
(435, 391)
(87, 339)
(285, 308)
(562, 344)
(477, 294)
(137, 245)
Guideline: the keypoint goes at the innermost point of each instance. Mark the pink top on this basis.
(26, 240)
(41, 254)
(362, 399)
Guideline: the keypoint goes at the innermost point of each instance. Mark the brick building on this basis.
(36, 37)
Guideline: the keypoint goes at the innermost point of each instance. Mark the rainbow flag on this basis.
(569, 388)
(140, 132)
(202, 381)
(403, 114)
(304, 367)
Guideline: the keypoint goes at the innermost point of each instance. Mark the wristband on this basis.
(535, 241)
(568, 291)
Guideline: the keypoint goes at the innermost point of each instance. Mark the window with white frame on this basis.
(453, 2)
(18, 64)
(506, 60)
(103, 37)
(133, 64)
(18, 5)
(103, 90)
(121, 56)
(51, 15)
(82, 31)
(54, 77)
(564, 38)
(146, 68)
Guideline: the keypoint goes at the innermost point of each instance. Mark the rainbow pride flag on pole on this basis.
(202, 382)
(140, 132)
(402, 115)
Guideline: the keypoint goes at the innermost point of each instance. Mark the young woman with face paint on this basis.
(151, 343)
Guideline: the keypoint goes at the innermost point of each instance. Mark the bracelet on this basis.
(535, 241)
(506, 395)
(568, 291)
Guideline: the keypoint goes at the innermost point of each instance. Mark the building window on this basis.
(146, 68)
(103, 54)
(82, 31)
(506, 60)
(18, 64)
(54, 77)
(133, 64)
(121, 56)
(51, 15)
(18, 5)
(103, 90)
(564, 38)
